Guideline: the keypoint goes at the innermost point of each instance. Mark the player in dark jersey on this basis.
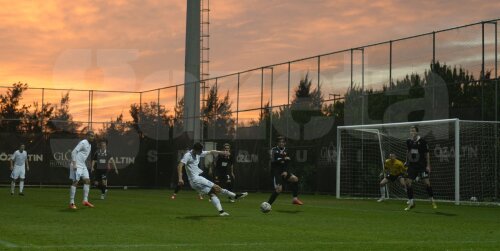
(419, 165)
(101, 166)
(223, 170)
(281, 173)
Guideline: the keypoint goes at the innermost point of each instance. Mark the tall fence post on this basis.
(158, 121)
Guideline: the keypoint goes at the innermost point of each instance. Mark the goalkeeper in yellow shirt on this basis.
(394, 170)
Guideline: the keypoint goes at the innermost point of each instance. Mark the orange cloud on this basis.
(139, 45)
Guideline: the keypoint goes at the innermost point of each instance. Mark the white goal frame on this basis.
(376, 126)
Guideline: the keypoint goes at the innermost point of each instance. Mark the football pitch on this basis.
(149, 220)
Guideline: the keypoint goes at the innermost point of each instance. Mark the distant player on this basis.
(223, 170)
(190, 161)
(281, 173)
(18, 165)
(101, 166)
(419, 165)
(78, 170)
(394, 170)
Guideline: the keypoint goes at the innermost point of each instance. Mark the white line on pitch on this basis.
(8, 244)
(370, 242)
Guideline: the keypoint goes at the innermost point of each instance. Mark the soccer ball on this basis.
(265, 207)
(473, 199)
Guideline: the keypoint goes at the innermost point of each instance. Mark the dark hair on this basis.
(227, 144)
(414, 127)
(280, 138)
(90, 132)
(197, 146)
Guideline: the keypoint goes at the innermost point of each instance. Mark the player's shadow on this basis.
(288, 211)
(67, 210)
(436, 213)
(445, 214)
(197, 217)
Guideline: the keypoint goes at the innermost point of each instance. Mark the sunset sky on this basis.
(139, 45)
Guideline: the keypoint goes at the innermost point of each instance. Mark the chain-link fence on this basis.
(451, 73)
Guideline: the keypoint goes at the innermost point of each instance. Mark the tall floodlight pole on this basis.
(192, 70)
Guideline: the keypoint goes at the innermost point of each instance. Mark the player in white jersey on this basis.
(18, 165)
(190, 161)
(78, 170)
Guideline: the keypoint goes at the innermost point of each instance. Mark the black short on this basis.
(222, 177)
(393, 178)
(100, 174)
(279, 179)
(417, 171)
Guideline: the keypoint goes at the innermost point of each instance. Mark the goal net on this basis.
(464, 158)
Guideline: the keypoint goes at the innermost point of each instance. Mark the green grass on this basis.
(149, 220)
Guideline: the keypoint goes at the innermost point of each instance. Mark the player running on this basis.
(190, 161)
(281, 173)
(18, 165)
(394, 170)
(78, 170)
(102, 162)
(419, 165)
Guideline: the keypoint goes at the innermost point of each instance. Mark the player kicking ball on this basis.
(190, 161)
(179, 187)
(78, 170)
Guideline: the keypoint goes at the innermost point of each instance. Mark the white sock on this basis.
(86, 189)
(12, 186)
(72, 192)
(216, 203)
(382, 192)
(227, 193)
(21, 186)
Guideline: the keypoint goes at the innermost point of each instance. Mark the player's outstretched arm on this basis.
(112, 162)
(27, 163)
(179, 173)
(220, 152)
(428, 167)
(12, 161)
(232, 171)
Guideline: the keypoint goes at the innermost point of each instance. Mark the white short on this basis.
(201, 184)
(79, 173)
(18, 172)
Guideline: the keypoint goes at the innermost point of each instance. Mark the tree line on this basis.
(469, 97)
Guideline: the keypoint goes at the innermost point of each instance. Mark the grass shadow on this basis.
(67, 210)
(435, 213)
(197, 217)
(288, 211)
(445, 214)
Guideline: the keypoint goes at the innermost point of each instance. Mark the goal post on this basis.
(463, 156)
